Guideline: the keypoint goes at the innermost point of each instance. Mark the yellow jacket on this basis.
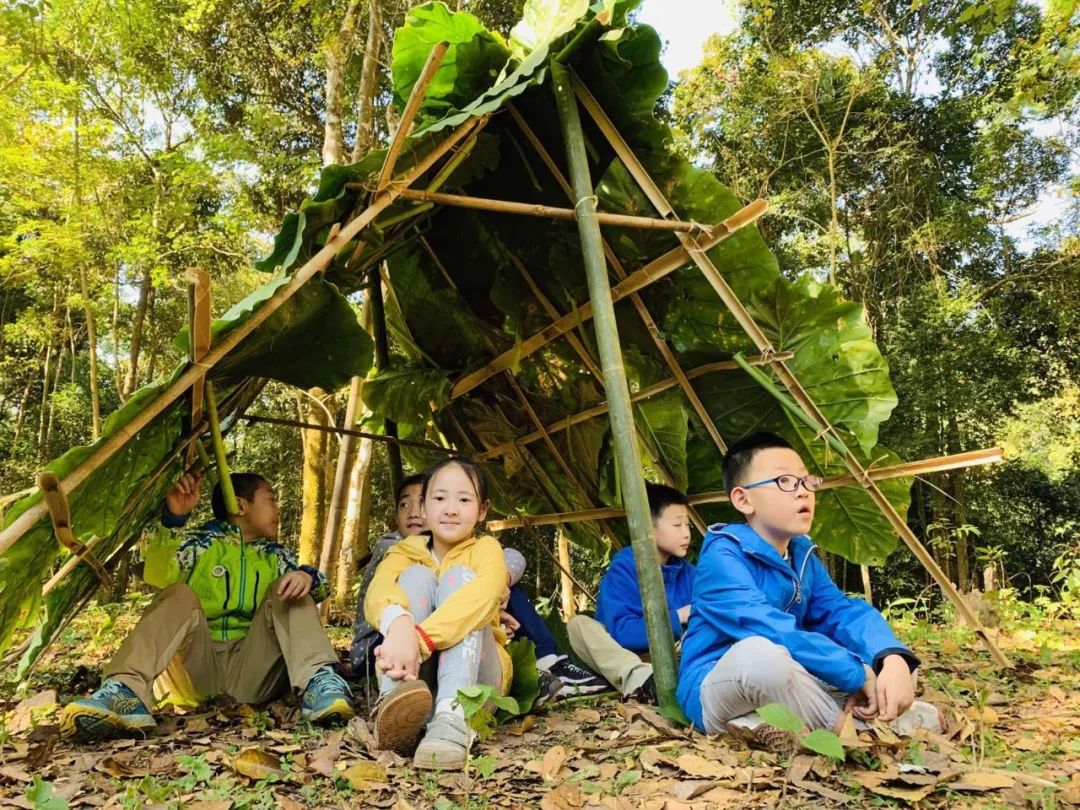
(472, 606)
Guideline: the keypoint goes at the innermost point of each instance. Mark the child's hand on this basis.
(294, 585)
(399, 654)
(505, 598)
(509, 623)
(183, 496)
(684, 614)
(864, 703)
(895, 689)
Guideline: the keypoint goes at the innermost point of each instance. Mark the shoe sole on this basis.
(340, 710)
(90, 723)
(402, 717)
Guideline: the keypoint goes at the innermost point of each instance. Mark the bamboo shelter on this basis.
(557, 294)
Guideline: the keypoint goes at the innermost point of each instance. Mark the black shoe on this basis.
(577, 680)
(646, 693)
(550, 687)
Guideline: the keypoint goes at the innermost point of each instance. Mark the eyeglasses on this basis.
(789, 483)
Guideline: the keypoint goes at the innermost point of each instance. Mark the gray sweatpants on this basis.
(473, 660)
(756, 671)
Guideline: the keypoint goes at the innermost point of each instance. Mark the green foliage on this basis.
(820, 741)
(474, 702)
(40, 794)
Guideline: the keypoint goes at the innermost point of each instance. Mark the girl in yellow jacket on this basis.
(435, 598)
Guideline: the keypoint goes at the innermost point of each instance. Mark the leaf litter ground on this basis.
(1011, 741)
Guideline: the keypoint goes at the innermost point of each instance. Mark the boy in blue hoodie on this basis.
(236, 615)
(769, 625)
(613, 643)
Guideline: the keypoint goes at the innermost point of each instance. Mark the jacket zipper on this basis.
(225, 608)
(796, 595)
(254, 594)
(243, 578)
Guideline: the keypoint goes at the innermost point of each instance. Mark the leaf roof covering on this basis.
(458, 297)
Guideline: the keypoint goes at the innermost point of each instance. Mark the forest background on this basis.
(923, 156)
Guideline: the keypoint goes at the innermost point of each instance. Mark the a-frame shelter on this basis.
(501, 221)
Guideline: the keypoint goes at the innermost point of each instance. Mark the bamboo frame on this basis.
(109, 446)
(790, 381)
(198, 334)
(547, 211)
(412, 107)
(644, 393)
(637, 280)
(60, 513)
(627, 457)
(336, 513)
(957, 461)
(360, 434)
(639, 305)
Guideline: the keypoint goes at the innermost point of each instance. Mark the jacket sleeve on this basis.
(169, 555)
(383, 589)
(728, 600)
(851, 622)
(620, 606)
(473, 605)
(287, 563)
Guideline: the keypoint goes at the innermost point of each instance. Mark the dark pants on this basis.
(532, 626)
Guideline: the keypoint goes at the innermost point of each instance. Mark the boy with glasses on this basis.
(768, 624)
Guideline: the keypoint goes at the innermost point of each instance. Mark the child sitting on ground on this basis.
(435, 598)
(613, 642)
(236, 615)
(559, 676)
(769, 625)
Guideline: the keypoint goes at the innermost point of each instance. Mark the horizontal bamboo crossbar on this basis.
(548, 211)
(109, 446)
(639, 279)
(644, 393)
(973, 458)
(376, 437)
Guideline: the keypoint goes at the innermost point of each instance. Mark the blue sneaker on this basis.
(112, 711)
(327, 698)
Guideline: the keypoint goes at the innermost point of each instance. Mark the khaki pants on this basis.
(620, 667)
(171, 653)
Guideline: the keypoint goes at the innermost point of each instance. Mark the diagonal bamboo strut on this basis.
(412, 107)
(198, 337)
(547, 211)
(640, 278)
(644, 393)
(524, 402)
(109, 446)
(639, 305)
(60, 511)
(913, 468)
(794, 387)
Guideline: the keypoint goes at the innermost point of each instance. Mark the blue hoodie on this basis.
(618, 605)
(745, 588)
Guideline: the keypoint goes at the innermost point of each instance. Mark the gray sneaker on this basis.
(445, 746)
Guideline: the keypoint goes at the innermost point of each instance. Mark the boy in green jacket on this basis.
(236, 615)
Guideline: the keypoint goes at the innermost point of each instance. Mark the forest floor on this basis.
(1013, 740)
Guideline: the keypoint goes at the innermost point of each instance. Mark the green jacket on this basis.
(229, 576)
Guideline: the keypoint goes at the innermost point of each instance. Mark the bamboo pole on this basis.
(566, 585)
(336, 512)
(224, 476)
(639, 279)
(69, 565)
(794, 387)
(412, 107)
(108, 447)
(547, 211)
(602, 408)
(639, 305)
(198, 337)
(972, 458)
(382, 360)
(628, 460)
(360, 434)
(60, 512)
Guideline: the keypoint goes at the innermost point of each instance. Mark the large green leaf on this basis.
(661, 420)
(405, 395)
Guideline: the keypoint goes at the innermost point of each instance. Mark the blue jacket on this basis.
(745, 588)
(618, 604)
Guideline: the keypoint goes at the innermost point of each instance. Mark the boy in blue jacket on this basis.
(612, 644)
(769, 625)
(236, 615)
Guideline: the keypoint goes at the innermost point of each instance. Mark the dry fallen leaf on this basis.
(651, 759)
(566, 796)
(587, 716)
(255, 763)
(1057, 693)
(693, 765)
(982, 780)
(221, 804)
(553, 761)
(527, 722)
(686, 790)
(365, 775)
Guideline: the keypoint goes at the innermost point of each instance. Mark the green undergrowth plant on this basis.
(820, 741)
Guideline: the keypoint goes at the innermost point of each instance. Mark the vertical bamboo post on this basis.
(868, 592)
(336, 513)
(198, 341)
(627, 457)
(224, 479)
(382, 360)
(566, 589)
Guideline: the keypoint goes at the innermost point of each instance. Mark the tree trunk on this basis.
(959, 511)
(44, 400)
(335, 515)
(137, 334)
(313, 481)
(91, 331)
(566, 584)
(22, 410)
(55, 387)
(337, 52)
(115, 329)
(369, 82)
(354, 543)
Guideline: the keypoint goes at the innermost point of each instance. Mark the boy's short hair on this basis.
(661, 497)
(244, 486)
(741, 454)
(416, 480)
